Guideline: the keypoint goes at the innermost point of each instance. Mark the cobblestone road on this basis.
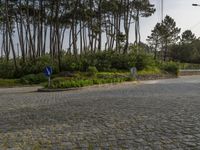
(149, 115)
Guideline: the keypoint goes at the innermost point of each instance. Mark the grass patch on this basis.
(32, 79)
(152, 71)
(85, 79)
(103, 78)
(108, 75)
(9, 82)
(189, 66)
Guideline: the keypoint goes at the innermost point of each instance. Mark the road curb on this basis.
(57, 90)
(189, 72)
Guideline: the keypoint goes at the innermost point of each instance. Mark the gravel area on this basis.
(162, 114)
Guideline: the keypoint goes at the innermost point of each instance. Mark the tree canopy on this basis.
(45, 26)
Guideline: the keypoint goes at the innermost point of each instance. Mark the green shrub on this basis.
(121, 62)
(33, 79)
(171, 68)
(65, 83)
(92, 71)
(103, 61)
(36, 67)
(144, 61)
(7, 70)
(72, 83)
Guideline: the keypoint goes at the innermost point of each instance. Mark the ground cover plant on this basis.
(100, 68)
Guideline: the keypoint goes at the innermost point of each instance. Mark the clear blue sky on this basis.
(182, 11)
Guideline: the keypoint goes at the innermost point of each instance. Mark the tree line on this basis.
(44, 26)
(166, 43)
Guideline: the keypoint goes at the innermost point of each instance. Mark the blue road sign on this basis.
(48, 71)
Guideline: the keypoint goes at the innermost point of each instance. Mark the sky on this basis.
(182, 11)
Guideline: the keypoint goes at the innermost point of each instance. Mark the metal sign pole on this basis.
(162, 10)
(48, 72)
(49, 83)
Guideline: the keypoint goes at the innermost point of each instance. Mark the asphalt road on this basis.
(162, 114)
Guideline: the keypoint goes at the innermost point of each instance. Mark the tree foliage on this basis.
(187, 37)
(31, 29)
(163, 35)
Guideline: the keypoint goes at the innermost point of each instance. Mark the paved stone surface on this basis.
(151, 115)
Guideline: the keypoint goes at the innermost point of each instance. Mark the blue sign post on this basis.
(48, 72)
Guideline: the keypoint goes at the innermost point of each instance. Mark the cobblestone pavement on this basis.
(153, 115)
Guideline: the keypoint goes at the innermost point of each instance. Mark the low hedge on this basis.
(33, 79)
(171, 67)
(66, 83)
(9, 82)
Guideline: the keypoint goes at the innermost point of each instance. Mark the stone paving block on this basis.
(146, 116)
